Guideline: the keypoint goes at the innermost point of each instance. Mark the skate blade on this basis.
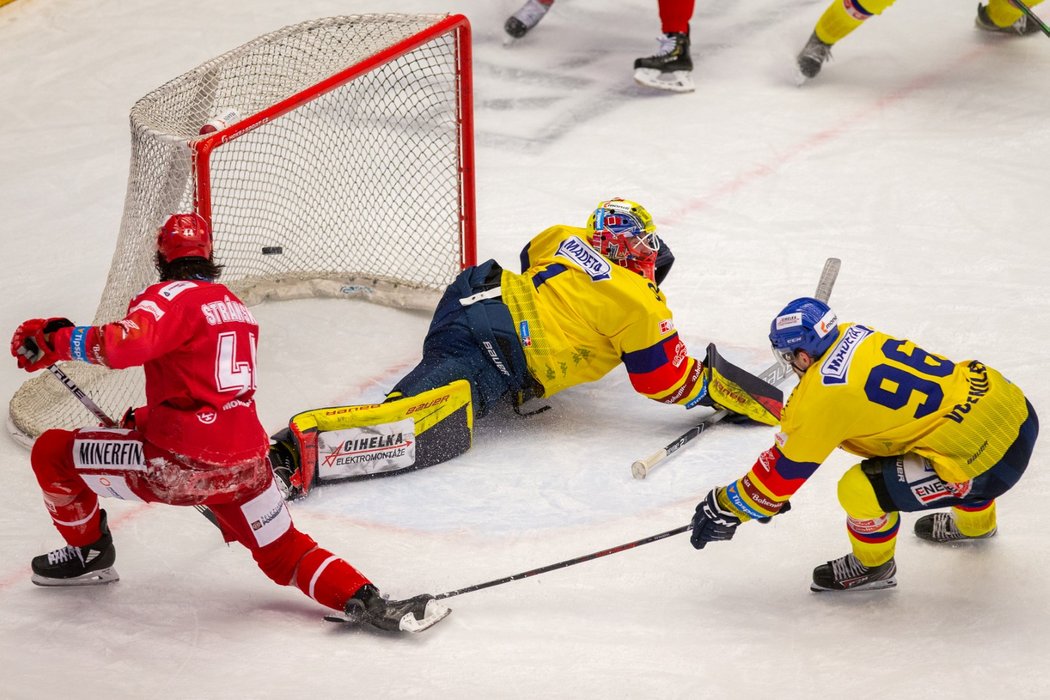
(95, 578)
(875, 586)
(676, 81)
(434, 613)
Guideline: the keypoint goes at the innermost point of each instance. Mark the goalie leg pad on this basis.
(365, 441)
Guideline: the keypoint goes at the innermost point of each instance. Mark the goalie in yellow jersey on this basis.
(843, 16)
(933, 434)
(586, 301)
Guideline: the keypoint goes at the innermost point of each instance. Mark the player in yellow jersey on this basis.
(586, 301)
(843, 16)
(933, 434)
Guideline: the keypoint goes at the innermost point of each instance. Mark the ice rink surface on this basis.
(918, 157)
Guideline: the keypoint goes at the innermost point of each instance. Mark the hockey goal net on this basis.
(344, 168)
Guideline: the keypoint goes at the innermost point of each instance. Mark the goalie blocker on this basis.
(348, 443)
(738, 391)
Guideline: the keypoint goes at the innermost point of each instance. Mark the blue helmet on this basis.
(804, 324)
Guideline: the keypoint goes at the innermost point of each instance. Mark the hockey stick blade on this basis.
(434, 613)
(775, 374)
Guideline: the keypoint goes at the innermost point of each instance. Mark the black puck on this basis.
(272, 250)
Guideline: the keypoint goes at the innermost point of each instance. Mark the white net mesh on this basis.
(357, 190)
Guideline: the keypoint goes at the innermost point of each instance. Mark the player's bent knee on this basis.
(857, 495)
(50, 452)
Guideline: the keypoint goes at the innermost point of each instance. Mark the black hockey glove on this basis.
(712, 522)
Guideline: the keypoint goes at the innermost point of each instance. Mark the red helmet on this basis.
(184, 236)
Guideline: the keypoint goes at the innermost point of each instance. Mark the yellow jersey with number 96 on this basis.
(879, 396)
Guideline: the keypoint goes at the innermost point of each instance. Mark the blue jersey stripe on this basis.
(648, 359)
(546, 273)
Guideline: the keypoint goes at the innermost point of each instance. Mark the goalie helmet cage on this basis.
(347, 171)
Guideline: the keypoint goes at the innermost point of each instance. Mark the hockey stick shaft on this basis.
(108, 422)
(772, 375)
(567, 562)
(1031, 15)
(81, 396)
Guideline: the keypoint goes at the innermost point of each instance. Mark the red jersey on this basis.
(196, 342)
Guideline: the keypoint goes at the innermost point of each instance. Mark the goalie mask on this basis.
(184, 236)
(623, 231)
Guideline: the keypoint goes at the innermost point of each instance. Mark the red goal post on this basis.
(344, 168)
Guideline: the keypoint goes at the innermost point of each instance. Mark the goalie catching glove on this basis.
(727, 387)
(347, 443)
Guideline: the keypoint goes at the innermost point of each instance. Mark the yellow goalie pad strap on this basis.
(426, 409)
(730, 396)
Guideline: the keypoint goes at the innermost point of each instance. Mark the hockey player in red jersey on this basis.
(197, 440)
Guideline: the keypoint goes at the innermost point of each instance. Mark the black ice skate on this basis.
(79, 566)
(671, 68)
(1022, 27)
(527, 17)
(848, 574)
(940, 528)
(411, 615)
(812, 56)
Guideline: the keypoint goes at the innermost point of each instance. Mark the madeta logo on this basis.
(586, 257)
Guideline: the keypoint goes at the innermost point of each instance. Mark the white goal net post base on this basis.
(333, 158)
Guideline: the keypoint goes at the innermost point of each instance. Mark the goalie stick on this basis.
(103, 417)
(773, 375)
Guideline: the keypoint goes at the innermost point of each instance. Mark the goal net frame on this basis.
(413, 97)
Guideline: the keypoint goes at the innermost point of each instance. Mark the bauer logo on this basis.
(836, 366)
(589, 260)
